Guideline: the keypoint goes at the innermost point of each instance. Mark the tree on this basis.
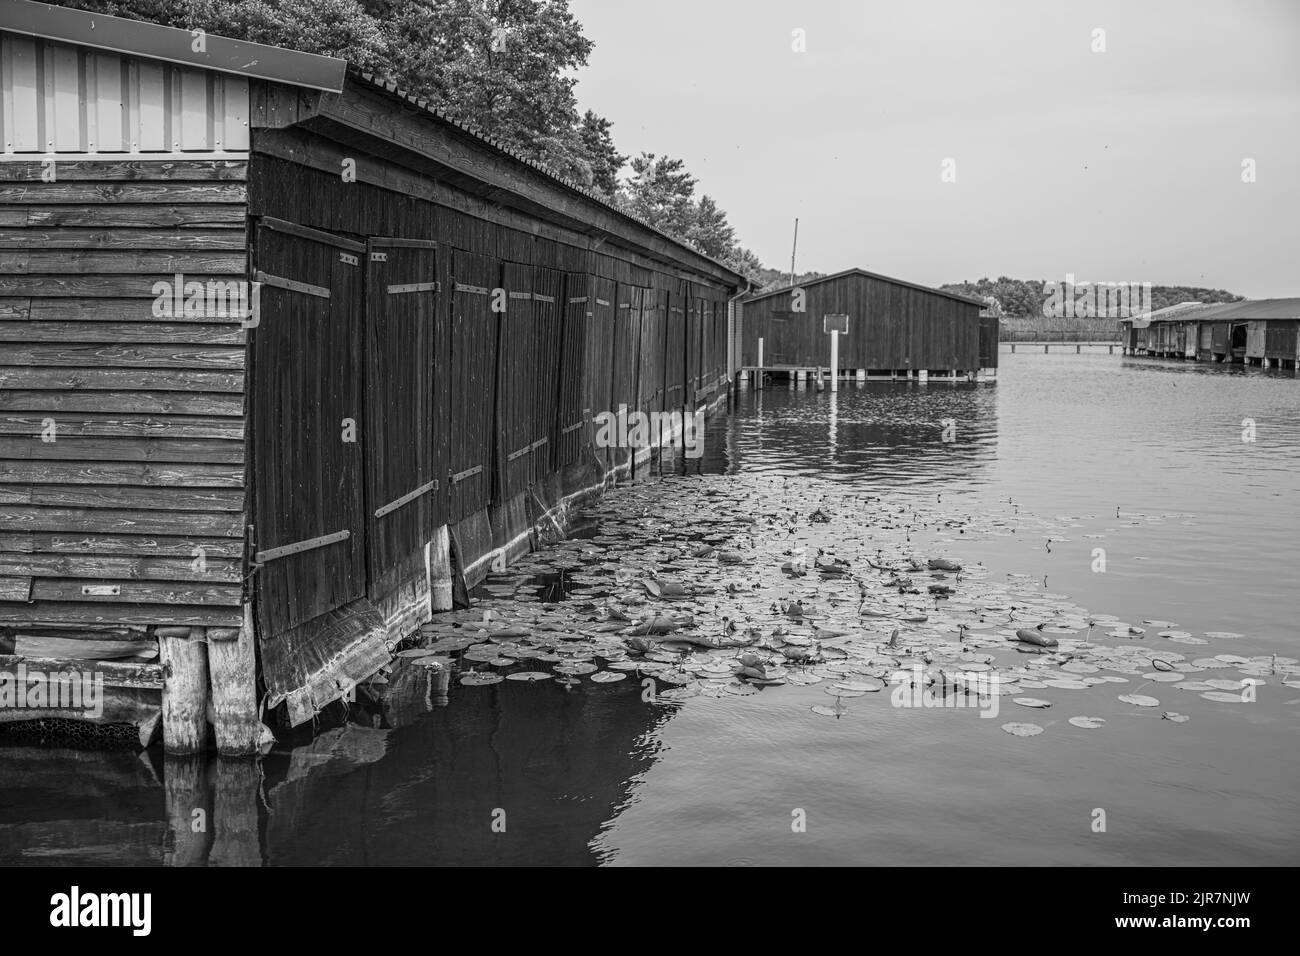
(606, 161)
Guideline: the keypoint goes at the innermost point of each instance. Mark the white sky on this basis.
(1115, 166)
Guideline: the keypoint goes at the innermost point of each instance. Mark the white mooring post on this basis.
(760, 363)
(835, 360)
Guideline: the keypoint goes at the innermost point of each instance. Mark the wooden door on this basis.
(405, 421)
(307, 425)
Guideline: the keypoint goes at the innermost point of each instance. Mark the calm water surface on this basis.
(1144, 459)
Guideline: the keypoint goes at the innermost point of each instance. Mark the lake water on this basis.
(1064, 455)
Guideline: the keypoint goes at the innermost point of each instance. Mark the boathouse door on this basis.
(406, 430)
(306, 421)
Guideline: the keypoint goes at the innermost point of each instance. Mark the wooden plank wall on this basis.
(145, 472)
(891, 326)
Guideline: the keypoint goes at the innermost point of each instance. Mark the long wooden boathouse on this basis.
(1262, 332)
(895, 329)
(286, 356)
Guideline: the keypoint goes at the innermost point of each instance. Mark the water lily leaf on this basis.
(1087, 723)
(1221, 684)
(1022, 729)
(529, 676)
(1175, 717)
(740, 690)
(477, 679)
(1139, 700)
(824, 711)
(1031, 702)
(608, 677)
(866, 687)
(1223, 697)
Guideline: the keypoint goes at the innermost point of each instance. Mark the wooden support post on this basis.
(1045, 348)
(835, 360)
(185, 690)
(862, 375)
(760, 361)
(1013, 348)
(232, 667)
(235, 838)
(923, 375)
(189, 810)
(440, 575)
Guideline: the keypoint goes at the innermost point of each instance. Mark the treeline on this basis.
(503, 67)
(1025, 297)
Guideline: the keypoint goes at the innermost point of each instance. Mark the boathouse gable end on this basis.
(290, 359)
(894, 327)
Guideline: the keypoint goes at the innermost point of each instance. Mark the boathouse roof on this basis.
(868, 275)
(559, 199)
(1288, 308)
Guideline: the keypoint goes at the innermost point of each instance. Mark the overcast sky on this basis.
(1117, 166)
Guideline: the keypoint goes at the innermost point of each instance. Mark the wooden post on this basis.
(835, 360)
(232, 667)
(440, 576)
(862, 375)
(760, 362)
(185, 689)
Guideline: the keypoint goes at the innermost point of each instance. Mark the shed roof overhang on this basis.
(171, 44)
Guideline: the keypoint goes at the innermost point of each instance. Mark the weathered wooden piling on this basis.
(440, 570)
(232, 670)
(184, 658)
(189, 810)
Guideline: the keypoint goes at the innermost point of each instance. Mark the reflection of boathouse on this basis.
(1259, 332)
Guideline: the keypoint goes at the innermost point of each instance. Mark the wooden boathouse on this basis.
(287, 357)
(896, 329)
(1261, 332)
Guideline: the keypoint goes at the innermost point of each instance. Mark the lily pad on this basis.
(529, 676)
(1022, 729)
(608, 677)
(1087, 723)
(1139, 700)
(477, 679)
(1032, 702)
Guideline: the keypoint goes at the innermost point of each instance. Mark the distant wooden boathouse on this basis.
(1262, 332)
(896, 329)
(285, 356)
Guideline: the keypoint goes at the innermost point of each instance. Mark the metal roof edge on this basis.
(172, 44)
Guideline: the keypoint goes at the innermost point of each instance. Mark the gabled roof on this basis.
(869, 275)
(1232, 311)
(171, 44)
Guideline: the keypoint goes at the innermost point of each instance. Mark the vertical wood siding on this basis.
(58, 98)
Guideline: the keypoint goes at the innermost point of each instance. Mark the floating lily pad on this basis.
(1175, 717)
(1031, 702)
(1022, 729)
(608, 677)
(529, 676)
(1087, 723)
(1139, 700)
(824, 711)
(1223, 697)
(477, 679)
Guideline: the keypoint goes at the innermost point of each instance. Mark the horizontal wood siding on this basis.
(122, 429)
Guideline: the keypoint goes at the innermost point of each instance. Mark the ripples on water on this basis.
(1206, 535)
